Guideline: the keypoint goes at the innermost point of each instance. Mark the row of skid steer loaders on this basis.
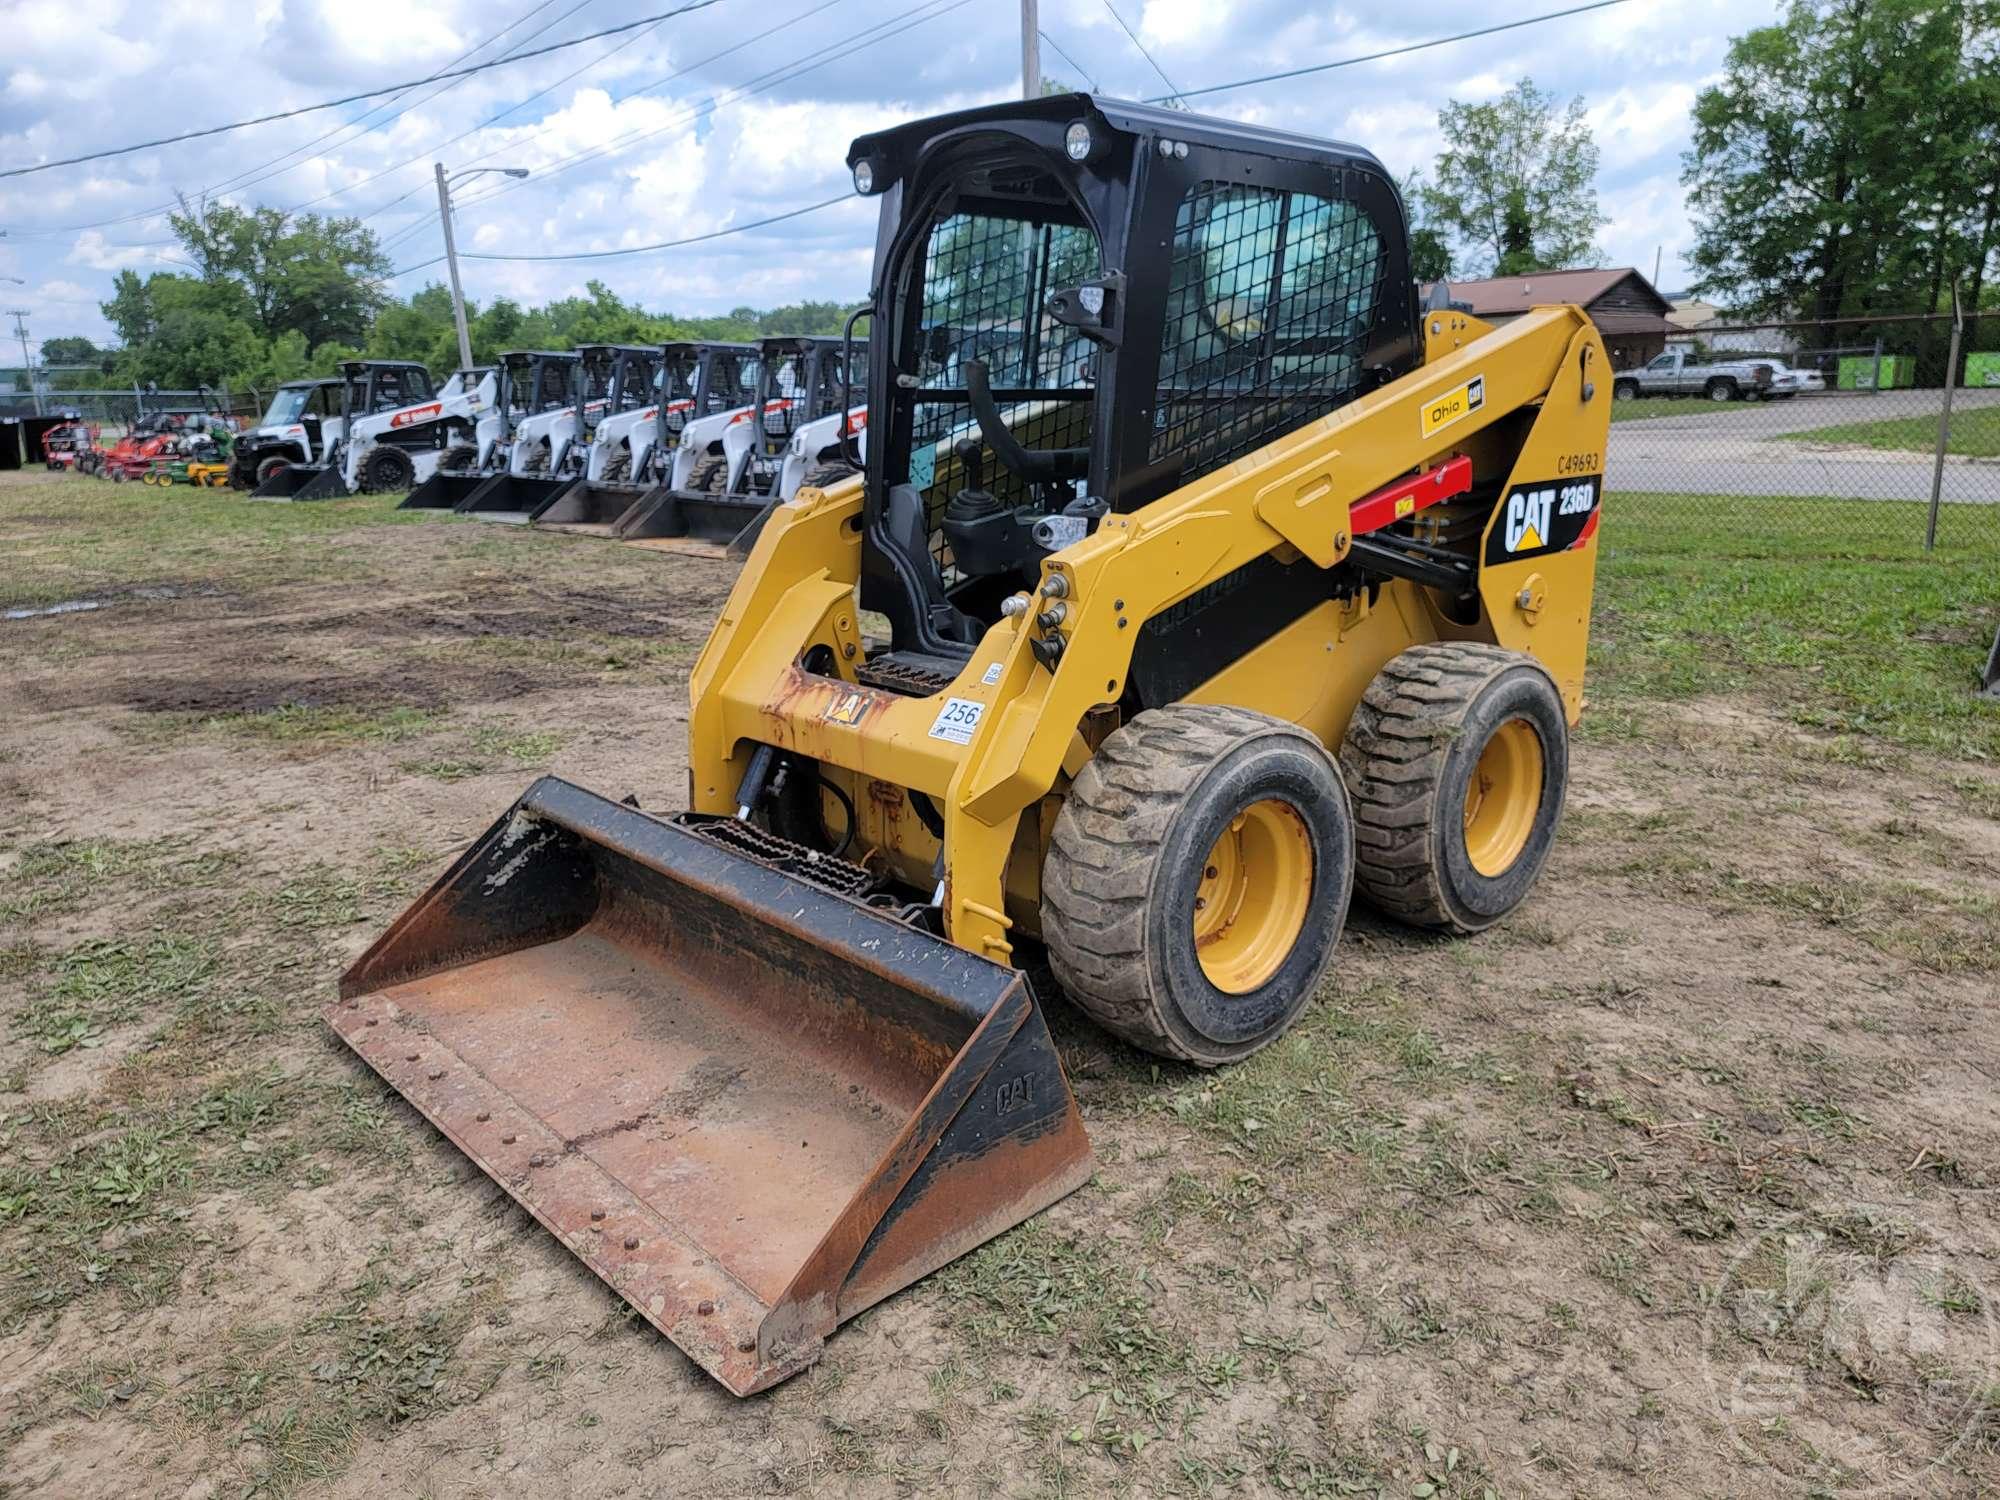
(688, 440)
(1221, 580)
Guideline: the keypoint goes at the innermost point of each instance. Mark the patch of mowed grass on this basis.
(490, 743)
(1700, 596)
(96, 1199)
(59, 876)
(118, 536)
(301, 724)
(109, 981)
(1040, 1292)
(304, 1394)
(1975, 433)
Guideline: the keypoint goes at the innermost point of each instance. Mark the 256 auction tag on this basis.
(957, 719)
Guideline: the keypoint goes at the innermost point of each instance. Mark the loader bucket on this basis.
(510, 497)
(734, 519)
(753, 1105)
(586, 507)
(442, 491)
(302, 482)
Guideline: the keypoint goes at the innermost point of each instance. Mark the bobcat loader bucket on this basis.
(303, 482)
(662, 512)
(753, 1105)
(442, 491)
(512, 498)
(592, 509)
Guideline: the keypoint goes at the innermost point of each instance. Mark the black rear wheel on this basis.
(708, 474)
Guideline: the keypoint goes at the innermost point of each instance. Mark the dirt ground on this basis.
(1679, 1182)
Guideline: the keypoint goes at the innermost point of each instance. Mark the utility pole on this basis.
(19, 315)
(451, 259)
(1031, 50)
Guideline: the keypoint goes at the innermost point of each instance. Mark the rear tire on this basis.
(708, 475)
(827, 475)
(386, 471)
(1198, 880)
(1624, 390)
(1458, 757)
(1721, 390)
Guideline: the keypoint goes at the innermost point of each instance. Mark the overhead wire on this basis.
(426, 222)
(394, 88)
(693, 239)
(1081, 73)
(1134, 37)
(784, 73)
(250, 177)
(1348, 62)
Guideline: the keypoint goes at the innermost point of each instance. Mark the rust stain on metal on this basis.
(750, 1106)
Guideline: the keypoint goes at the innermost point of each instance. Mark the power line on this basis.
(394, 88)
(797, 67)
(1348, 62)
(1142, 50)
(248, 176)
(516, 145)
(1095, 87)
(694, 239)
(784, 73)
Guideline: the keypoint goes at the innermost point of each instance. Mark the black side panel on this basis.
(1182, 647)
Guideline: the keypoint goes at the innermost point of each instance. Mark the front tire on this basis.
(269, 468)
(386, 471)
(1198, 880)
(1458, 757)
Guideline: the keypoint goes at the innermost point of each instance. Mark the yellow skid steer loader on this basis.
(1197, 577)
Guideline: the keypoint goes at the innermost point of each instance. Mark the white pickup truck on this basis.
(1679, 372)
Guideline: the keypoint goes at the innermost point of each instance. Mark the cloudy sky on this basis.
(732, 113)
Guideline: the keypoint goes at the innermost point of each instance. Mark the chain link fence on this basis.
(1851, 433)
(115, 410)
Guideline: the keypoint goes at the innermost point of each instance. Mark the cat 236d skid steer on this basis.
(1197, 578)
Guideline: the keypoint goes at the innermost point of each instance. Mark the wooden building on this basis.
(1632, 317)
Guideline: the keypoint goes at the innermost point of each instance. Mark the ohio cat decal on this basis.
(1550, 516)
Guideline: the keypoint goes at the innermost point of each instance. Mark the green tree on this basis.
(1430, 245)
(317, 275)
(181, 332)
(1516, 188)
(1849, 160)
(69, 351)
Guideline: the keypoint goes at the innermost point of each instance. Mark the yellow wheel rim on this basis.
(1502, 798)
(1251, 904)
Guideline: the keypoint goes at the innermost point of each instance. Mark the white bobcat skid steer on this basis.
(528, 383)
(620, 444)
(393, 429)
(802, 388)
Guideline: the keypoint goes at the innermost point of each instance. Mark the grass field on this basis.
(1975, 433)
(1679, 1181)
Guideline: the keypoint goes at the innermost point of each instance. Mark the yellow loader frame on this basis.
(1027, 729)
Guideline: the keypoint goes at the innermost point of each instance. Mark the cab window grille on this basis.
(986, 280)
(1271, 300)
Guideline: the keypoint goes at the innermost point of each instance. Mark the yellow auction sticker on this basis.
(1454, 405)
